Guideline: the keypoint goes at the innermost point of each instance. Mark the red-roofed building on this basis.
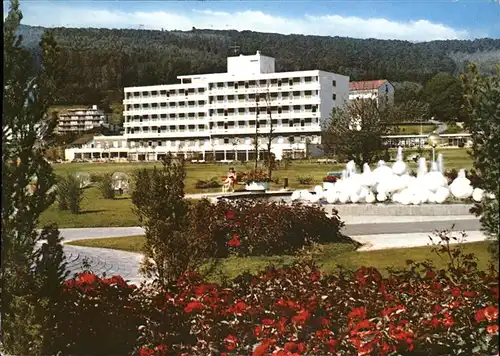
(372, 89)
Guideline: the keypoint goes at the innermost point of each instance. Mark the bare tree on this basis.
(270, 134)
(256, 137)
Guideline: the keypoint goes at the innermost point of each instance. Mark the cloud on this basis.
(60, 14)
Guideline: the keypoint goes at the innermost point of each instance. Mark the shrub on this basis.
(305, 180)
(254, 176)
(248, 227)
(69, 194)
(206, 184)
(106, 186)
(98, 316)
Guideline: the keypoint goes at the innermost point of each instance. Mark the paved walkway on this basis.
(387, 241)
(374, 232)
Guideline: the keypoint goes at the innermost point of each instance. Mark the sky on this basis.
(418, 20)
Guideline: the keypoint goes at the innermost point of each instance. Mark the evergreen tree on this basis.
(28, 92)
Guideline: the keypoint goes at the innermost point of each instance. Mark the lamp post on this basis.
(433, 140)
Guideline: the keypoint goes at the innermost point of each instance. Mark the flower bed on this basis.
(294, 310)
(255, 228)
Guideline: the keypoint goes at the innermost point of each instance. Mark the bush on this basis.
(252, 228)
(305, 180)
(206, 184)
(69, 193)
(106, 186)
(97, 317)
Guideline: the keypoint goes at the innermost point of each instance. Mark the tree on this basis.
(444, 94)
(411, 111)
(482, 102)
(270, 161)
(28, 93)
(355, 131)
(406, 91)
(159, 203)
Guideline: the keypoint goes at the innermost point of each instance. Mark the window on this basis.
(226, 140)
(334, 83)
(334, 96)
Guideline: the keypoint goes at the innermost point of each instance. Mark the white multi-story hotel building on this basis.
(80, 120)
(218, 113)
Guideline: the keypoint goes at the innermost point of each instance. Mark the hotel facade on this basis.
(217, 114)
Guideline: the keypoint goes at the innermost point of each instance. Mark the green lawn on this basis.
(98, 212)
(328, 256)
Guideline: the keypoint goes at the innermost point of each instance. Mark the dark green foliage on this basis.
(26, 128)
(98, 63)
(444, 93)
(106, 186)
(69, 193)
(482, 102)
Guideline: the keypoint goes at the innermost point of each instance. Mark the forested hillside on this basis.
(98, 63)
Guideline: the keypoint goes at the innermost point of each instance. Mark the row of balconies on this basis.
(222, 131)
(176, 97)
(248, 101)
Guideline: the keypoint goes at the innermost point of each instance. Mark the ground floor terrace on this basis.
(222, 154)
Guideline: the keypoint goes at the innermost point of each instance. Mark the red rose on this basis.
(230, 342)
(230, 215)
(267, 321)
(193, 306)
(492, 329)
(469, 294)
(491, 313)
(455, 292)
(301, 317)
(480, 315)
(146, 351)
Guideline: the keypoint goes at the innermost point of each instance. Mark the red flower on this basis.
(230, 342)
(491, 313)
(88, 278)
(448, 322)
(230, 215)
(469, 294)
(203, 289)
(146, 351)
(294, 347)
(301, 318)
(267, 321)
(358, 313)
(193, 306)
(331, 344)
(262, 348)
(492, 329)
(162, 349)
(435, 322)
(235, 241)
(257, 330)
(480, 315)
(455, 292)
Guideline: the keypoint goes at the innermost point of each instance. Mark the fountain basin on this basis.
(363, 209)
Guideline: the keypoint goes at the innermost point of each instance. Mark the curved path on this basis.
(374, 232)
